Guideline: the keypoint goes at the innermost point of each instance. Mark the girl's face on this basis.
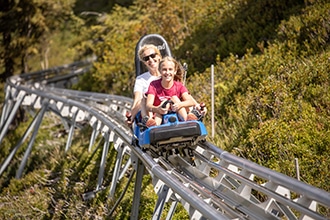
(151, 59)
(168, 71)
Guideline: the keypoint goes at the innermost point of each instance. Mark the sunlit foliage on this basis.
(271, 68)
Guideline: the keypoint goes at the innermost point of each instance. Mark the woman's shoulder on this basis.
(145, 76)
(156, 81)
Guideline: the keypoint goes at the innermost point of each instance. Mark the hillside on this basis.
(272, 101)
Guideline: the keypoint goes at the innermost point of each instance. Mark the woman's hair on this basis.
(148, 46)
(179, 68)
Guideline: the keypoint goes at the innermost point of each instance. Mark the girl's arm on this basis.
(155, 109)
(187, 101)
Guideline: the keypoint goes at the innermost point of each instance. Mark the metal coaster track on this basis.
(218, 185)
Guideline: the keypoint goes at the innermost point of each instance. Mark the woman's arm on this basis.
(136, 104)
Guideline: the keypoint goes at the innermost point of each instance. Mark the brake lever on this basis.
(169, 101)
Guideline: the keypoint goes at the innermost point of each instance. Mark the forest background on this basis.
(271, 64)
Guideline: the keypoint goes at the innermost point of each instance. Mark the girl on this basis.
(167, 88)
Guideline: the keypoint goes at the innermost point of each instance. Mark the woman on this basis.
(150, 56)
(167, 88)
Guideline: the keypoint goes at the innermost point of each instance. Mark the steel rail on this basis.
(219, 186)
(279, 198)
(292, 184)
(121, 132)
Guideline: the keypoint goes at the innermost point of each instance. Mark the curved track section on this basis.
(218, 185)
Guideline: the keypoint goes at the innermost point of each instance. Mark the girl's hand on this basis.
(201, 108)
(164, 107)
(176, 107)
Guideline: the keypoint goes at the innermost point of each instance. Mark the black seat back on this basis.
(156, 40)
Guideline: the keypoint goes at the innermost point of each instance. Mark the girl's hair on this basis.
(179, 68)
(145, 47)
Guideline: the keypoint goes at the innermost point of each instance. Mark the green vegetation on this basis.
(272, 102)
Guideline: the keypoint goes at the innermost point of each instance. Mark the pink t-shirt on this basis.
(161, 94)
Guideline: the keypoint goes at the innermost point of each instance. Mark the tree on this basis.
(25, 25)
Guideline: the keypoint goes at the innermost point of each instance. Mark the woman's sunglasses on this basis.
(146, 58)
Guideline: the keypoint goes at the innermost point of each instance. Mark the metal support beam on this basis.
(12, 114)
(172, 210)
(71, 132)
(137, 188)
(162, 194)
(6, 106)
(20, 142)
(103, 160)
(33, 137)
(94, 135)
(116, 171)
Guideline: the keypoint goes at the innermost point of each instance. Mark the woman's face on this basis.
(168, 71)
(151, 59)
